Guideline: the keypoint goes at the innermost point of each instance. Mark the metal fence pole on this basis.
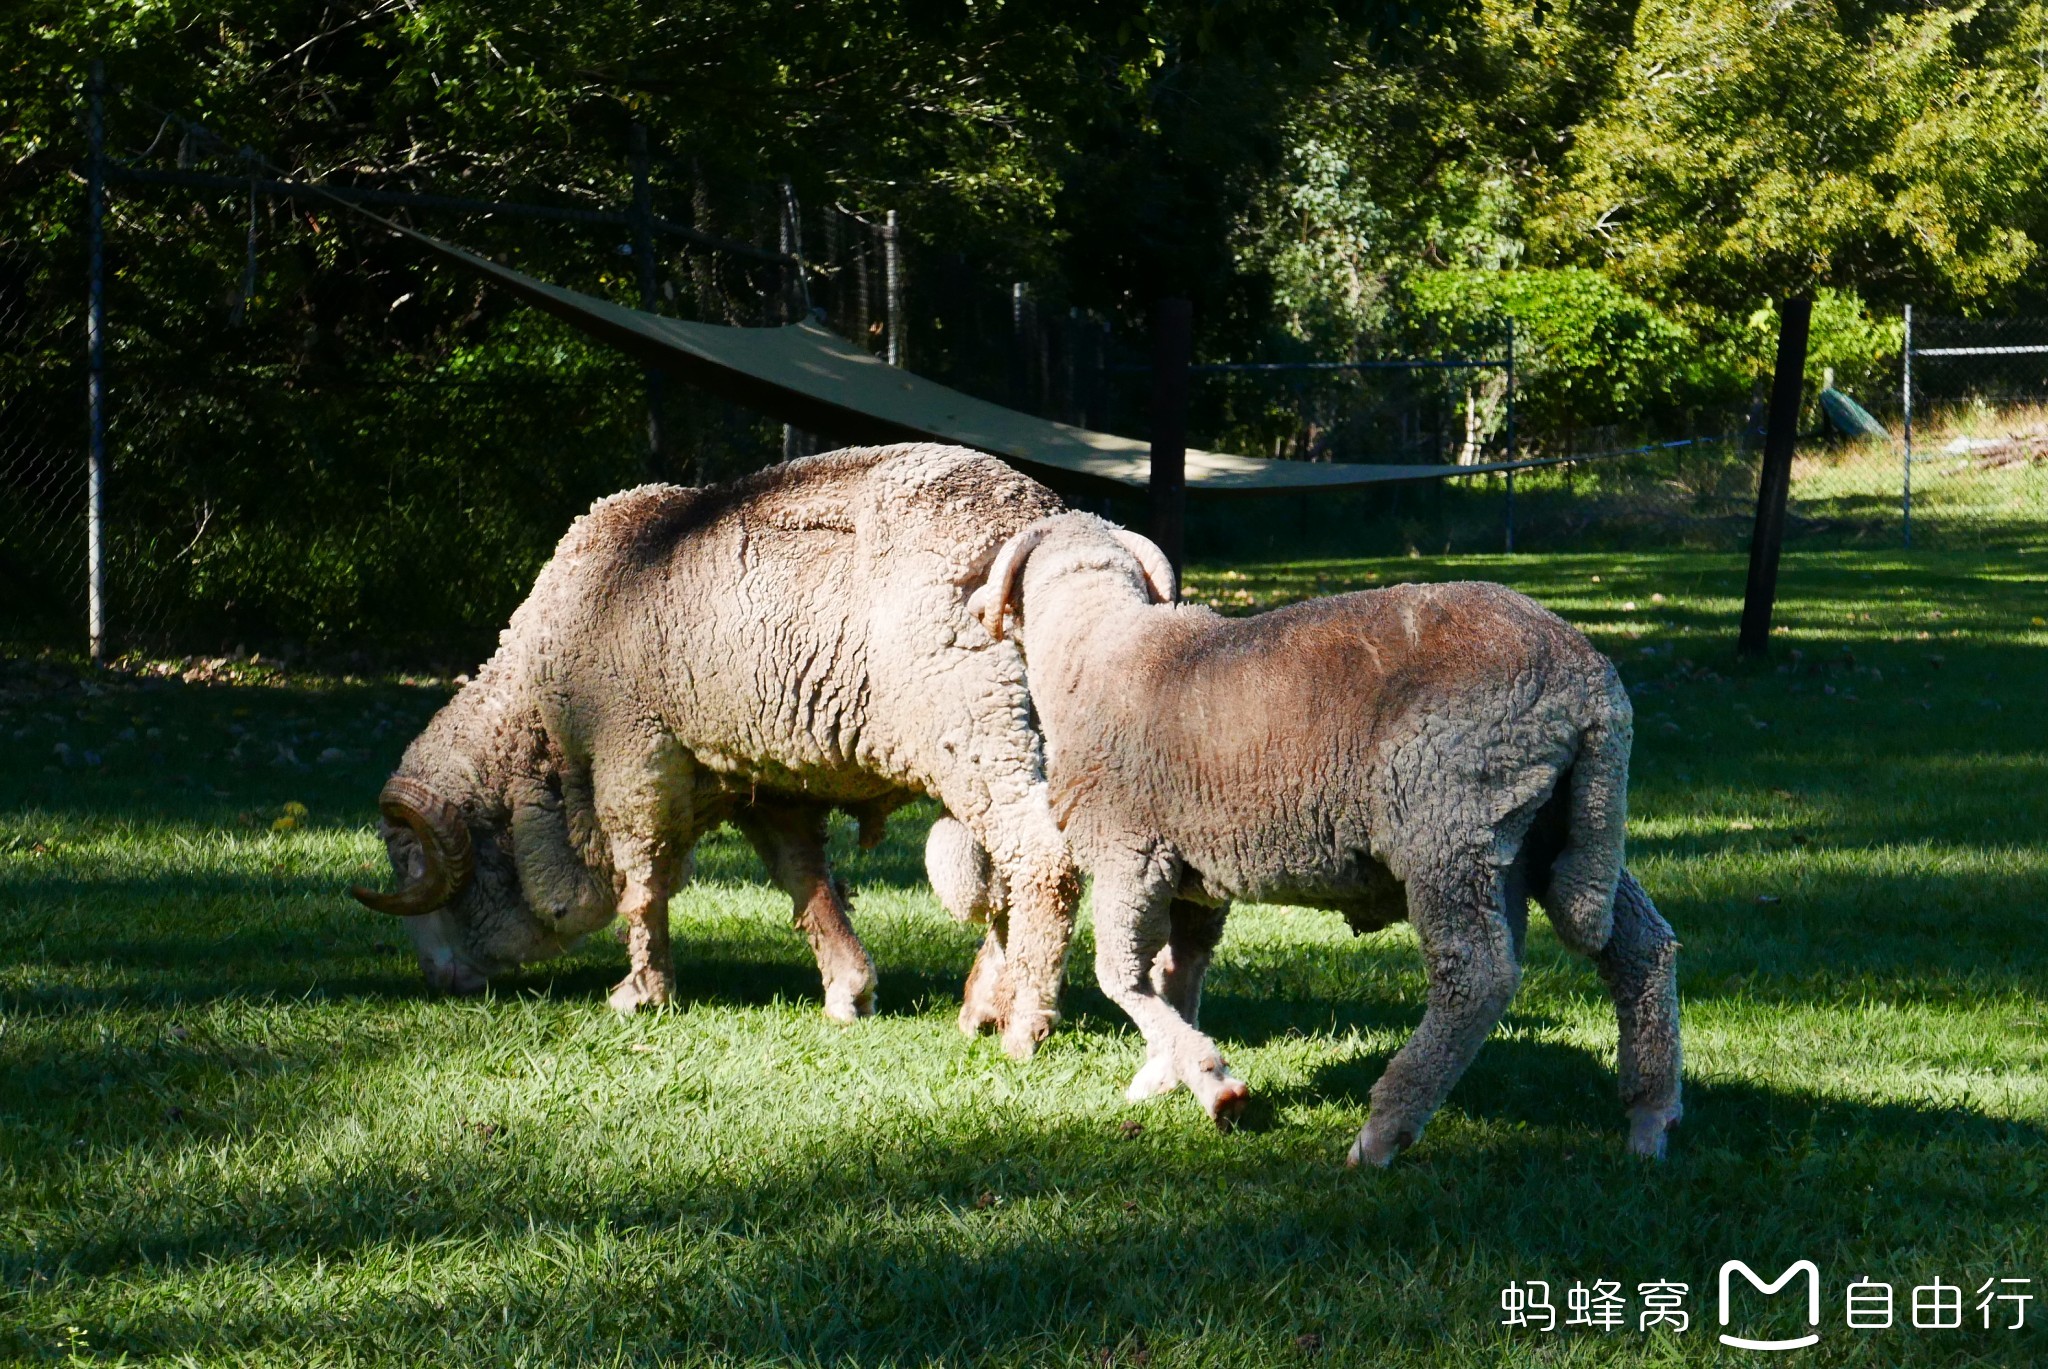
(1906, 461)
(643, 258)
(96, 367)
(1510, 515)
(892, 274)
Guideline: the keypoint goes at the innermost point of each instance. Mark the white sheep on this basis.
(759, 651)
(1439, 752)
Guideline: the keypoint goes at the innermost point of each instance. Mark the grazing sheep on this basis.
(760, 651)
(1439, 752)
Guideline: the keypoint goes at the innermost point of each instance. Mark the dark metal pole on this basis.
(643, 257)
(1173, 331)
(96, 367)
(1510, 515)
(1780, 434)
(1906, 459)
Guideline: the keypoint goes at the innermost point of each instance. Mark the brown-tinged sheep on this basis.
(1439, 752)
(759, 651)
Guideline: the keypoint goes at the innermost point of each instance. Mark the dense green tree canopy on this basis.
(1767, 147)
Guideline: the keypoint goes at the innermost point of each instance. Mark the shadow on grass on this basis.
(990, 1233)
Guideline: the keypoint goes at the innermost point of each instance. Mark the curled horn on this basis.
(444, 843)
(992, 600)
(1158, 570)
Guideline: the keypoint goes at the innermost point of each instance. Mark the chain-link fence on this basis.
(42, 441)
(316, 437)
(1974, 431)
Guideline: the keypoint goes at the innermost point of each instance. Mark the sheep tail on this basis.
(1580, 899)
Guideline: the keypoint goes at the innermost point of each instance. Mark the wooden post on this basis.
(1020, 365)
(96, 367)
(643, 259)
(892, 285)
(1780, 434)
(1173, 329)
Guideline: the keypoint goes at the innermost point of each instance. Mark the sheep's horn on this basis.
(992, 600)
(444, 842)
(1158, 570)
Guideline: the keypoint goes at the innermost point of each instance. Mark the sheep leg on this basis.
(1037, 933)
(650, 982)
(1193, 929)
(1640, 967)
(1015, 983)
(790, 839)
(634, 800)
(1133, 924)
(1469, 957)
(984, 1001)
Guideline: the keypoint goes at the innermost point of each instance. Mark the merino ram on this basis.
(1438, 752)
(760, 651)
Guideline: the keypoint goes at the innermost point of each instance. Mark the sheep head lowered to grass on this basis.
(1434, 752)
(760, 651)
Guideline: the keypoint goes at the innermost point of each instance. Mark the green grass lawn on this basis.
(234, 1130)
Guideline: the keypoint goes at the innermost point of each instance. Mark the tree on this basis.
(1756, 149)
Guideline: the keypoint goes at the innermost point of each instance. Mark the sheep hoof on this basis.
(1378, 1147)
(1221, 1094)
(638, 990)
(1650, 1130)
(1154, 1077)
(846, 1006)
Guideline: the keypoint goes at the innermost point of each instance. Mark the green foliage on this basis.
(1629, 183)
(1862, 350)
(1759, 149)
(1585, 348)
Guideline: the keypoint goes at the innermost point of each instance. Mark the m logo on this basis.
(1805, 1267)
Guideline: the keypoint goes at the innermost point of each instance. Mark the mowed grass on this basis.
(234, 1130)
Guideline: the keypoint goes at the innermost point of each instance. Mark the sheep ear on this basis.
(1158, 570)
(992, 601)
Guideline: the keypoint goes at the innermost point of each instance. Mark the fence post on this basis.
(1020, 364)
(96, 366)
(1173, 329)
(892, 280)
(1510, 516)
(643, 257)
(1795, 317)
(1906, 462)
